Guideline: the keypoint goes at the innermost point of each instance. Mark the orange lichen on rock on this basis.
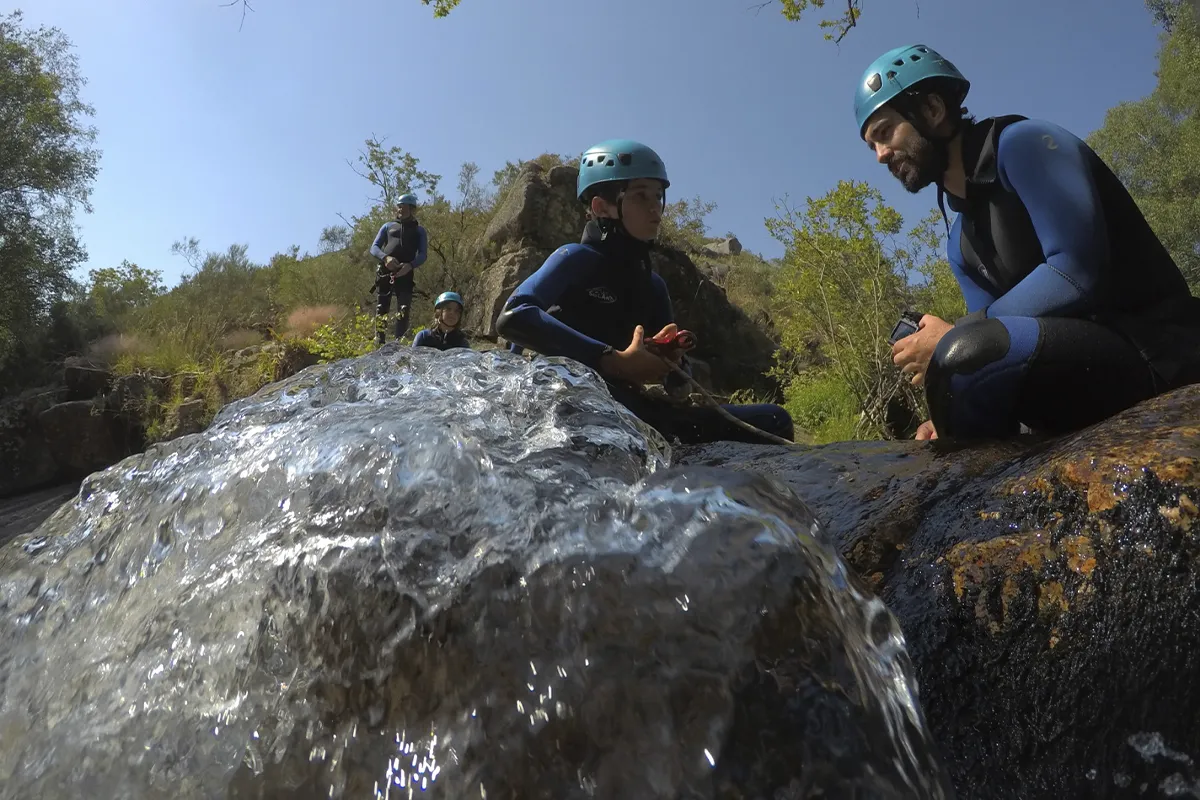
(974, 565)
(1159, 436)
(1181, 516)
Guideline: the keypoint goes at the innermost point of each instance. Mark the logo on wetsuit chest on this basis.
(602, 294)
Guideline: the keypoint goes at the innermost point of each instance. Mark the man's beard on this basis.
(925, 163)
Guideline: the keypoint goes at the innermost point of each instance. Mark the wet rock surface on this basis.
(1049, 592)
(459, 574)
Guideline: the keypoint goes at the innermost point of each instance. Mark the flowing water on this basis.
(444, 574)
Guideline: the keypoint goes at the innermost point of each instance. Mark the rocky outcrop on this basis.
(1049, 592)
(540, 210)
(729, 246)
(541, 213)
(736, 351)
(92, 418)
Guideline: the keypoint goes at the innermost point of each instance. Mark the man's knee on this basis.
(970, 348)
(974, 372)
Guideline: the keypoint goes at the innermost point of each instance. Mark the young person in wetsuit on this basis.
(401, 246)
(444, 335)
(1077, 311)
(597, 301)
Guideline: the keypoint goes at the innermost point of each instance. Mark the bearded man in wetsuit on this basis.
(1077, 310)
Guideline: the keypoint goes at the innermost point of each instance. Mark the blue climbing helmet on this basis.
(447, 297)
(407, 199)
(618, 160)
(898, 71)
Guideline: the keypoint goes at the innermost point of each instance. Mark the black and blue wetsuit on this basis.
(442, 340)
(1077, 310)
(590, 296)
(407, 242)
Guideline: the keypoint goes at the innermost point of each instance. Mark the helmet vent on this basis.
(874, 82)
(625, 158)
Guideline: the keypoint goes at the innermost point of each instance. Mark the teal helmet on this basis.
(407, 199)
(618, 160)
(447, 297)
(898, 71)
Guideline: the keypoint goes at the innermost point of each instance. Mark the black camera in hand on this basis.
(910, 323)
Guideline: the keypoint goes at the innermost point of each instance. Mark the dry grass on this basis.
(236, 340)
(109, 348)
(303, 321)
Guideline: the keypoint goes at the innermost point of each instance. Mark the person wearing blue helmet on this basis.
(444, 335)
(1076, 309)
(597, 301)
(400, 246)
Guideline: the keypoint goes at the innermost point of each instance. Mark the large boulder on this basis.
(85, 379)
(91, 419)
(26, 462)
(729, 246)
(445, 575)
(494, 286)
(1049, 592)
(738, 353)
(82, 437)
(541, 213)
(540, 210)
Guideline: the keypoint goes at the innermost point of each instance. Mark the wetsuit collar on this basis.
(612, 240)
(980, 143)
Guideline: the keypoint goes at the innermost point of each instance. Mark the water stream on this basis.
(451, 574)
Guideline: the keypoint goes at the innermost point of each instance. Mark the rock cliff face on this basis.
(541, 213)
(92, 418)
(1049, 592)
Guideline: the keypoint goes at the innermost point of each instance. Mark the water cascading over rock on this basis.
(463, 574)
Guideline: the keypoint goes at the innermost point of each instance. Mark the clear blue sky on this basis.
(242, 137)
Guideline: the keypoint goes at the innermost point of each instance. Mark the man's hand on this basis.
(926, 431)
(635, 364)
(396, 266)
(913, 353)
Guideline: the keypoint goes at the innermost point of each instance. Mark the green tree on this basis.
(115, 292)
(334, 238)
(1153, 144)
(393, 171)
(685, 222)
(47, 165)
(455, 228)
(835, 28)
(441, 8)
(847, 273)
(933, 288)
